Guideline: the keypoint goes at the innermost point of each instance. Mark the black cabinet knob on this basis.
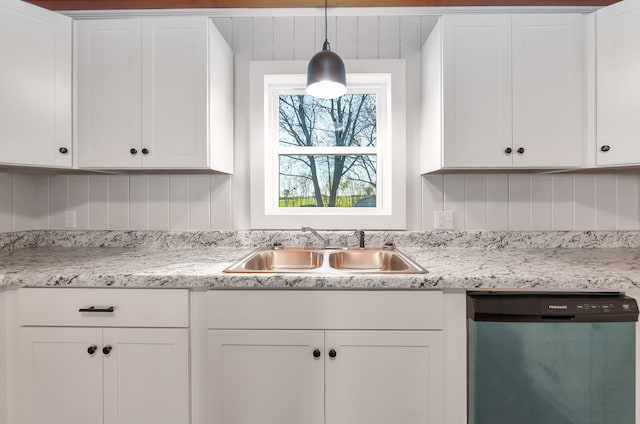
(333, 353)
(92, 349)
(63, 150)
(133, 151)
(605, 148)
(145, 151)
(107, 349)
(508, 150)
(520, 150)
(316, 353)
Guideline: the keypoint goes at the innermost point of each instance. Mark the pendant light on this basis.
(326, 75)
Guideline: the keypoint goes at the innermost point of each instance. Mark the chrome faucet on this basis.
(360, 235)
(325, 242)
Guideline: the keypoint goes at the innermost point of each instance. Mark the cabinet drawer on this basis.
(310, 310)
(131, 307)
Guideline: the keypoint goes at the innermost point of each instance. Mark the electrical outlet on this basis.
(443, 220)
(70, 219)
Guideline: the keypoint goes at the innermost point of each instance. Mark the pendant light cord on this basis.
(326, 25)
(325, 45)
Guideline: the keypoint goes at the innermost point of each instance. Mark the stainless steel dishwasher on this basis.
(550, 358)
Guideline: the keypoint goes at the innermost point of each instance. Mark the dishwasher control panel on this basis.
(544, 307)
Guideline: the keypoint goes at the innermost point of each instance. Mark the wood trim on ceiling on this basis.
(188, 4)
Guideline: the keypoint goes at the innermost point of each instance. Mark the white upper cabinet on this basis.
(502, 91)
(618, 84)
(548, 90)
(109, 93)
(154, 93)
(476, 82)
(174, 92)
(35, 86)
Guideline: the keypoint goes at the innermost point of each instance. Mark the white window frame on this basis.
(385, 78)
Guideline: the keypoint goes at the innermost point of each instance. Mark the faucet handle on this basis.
(360, 235)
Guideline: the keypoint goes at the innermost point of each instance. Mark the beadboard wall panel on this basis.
(158, 202)
(115, 202)
(299, 38)
(497, 202)
(538, 202)
(203, 202)
(190, 202)
(30, 202)
(24, 201)
(6, 202)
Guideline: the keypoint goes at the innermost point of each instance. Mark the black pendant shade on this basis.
(326, 74)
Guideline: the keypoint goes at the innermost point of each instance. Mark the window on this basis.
(327, 163)
(327, 150)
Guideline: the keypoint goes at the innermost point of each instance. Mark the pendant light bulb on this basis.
(326, 74)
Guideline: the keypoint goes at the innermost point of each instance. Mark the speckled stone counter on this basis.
(448, 268)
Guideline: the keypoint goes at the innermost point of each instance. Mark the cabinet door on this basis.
(547, 90)
(174, 92)
(108, 93)
(381, 377)
(35, 85)
(267, 377)
(477, 91)
(146, 376)
(61, 382)
(618, 89)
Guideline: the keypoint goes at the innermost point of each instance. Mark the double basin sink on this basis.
(323, 260)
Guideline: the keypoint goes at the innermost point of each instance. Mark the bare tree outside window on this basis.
(334, 179)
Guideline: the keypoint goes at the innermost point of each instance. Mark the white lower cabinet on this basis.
(266, 376)
(325, 374)
(315, 376)
(63, 381)
(380, 377)
(116, 375)
(146, 376)
(102, 374)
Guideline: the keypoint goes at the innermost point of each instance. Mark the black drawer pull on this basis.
(94, 309)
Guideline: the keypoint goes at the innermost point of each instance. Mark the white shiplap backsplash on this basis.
(115, 202)
(534, 202)
(200, 202)
(203, 202)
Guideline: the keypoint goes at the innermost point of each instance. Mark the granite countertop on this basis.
(448, 267)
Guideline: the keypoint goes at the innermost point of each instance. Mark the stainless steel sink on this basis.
(318, 260)
(272, 260)
(376, 260)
